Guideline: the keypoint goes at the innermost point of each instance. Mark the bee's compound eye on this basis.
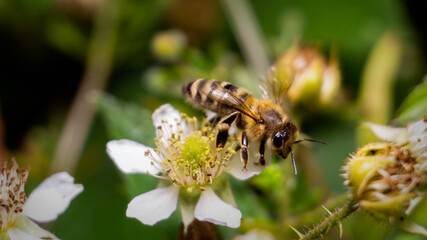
(277, 140)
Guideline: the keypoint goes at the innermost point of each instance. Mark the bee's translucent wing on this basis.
(226, 97)
(275, 84)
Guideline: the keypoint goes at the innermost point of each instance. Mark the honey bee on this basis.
(261, 120)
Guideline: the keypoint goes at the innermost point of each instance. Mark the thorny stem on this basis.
(308, 217)
(336, 216)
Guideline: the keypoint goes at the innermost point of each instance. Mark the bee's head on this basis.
(282, 142)
(283, 139)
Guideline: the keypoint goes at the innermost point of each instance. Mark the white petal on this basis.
(256, 234)
(397, 135)
(17, 234)
(129, 156)
(170, 121)
(25, 229)
(153, 206)
(210, 115)
(211, 208)
(413, 203)
(417, 128)
(418, 145)
(417, 133)
(422, 166)
(235, 166)
(423, 157)
(52, 197)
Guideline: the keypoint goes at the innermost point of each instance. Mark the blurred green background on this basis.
(137, 54)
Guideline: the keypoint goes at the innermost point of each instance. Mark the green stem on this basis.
(338, 215)
(98, 68)
(248, 34)
(310, 217)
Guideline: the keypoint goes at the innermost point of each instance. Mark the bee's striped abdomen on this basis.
(213, 95)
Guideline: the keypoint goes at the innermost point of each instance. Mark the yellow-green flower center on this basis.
(196, 149)
(188, 156)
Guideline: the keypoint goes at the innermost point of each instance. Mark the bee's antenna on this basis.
(293, 162)
(310, 140)
(301, 140)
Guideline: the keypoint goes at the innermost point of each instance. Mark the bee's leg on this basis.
(223, 127)
(261, 159)
(244, 154)
(214, 120)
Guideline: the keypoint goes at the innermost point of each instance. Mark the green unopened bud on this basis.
(331, 81)
(383, 179)
(307, 74)
(168, 45)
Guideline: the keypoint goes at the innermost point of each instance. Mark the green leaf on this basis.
(414, 107)
(125, 120)
(378, 79)
(138, 183)
(248, 202)
(270, 180)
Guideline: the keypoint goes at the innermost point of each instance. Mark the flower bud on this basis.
(331, 80)
(168, 45)
(383, 178)
(307, 74)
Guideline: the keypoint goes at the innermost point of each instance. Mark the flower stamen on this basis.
(12, 194)
(188, 156)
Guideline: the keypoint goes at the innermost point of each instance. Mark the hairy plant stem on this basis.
(308, 218)
(337, 215)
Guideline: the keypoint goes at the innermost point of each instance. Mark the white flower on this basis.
(414, 135)
(186, 155)
(51, 198)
